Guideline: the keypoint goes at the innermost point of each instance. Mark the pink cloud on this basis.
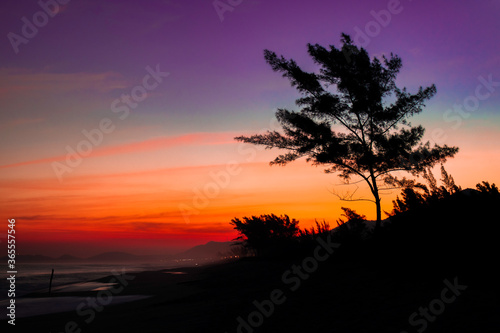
(17, 81)
(21, 121)
(146, 145)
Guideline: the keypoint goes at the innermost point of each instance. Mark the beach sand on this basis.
(340, 297)
(30, 307)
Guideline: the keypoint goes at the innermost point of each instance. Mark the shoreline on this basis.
(218, 297)
(119, 287)
(179, 292)
(35, 277)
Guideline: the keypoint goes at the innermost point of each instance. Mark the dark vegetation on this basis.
(381, 273)
(266, 234)
(373, 283)
(370, 283)
(353, 119)
(444, 218)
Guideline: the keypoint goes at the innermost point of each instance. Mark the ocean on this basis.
(32, 277)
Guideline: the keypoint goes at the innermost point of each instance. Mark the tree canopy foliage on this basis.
(353, 119)
(264, 233)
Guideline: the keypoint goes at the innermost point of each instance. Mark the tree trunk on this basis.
(379, 214)
(377, 202)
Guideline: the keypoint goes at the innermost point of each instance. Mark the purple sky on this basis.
(218, 74)
(66, 77)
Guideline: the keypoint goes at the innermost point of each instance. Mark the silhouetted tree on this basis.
(265, 232)
(367, 106)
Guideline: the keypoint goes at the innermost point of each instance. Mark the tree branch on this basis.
(349, 197)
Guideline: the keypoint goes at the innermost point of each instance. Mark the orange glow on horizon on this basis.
(172, 207)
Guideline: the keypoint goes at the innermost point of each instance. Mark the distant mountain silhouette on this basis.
(103, 257)
(210, 250)
(68, 258)
(28, 258)
(115, 256)
(124, 257)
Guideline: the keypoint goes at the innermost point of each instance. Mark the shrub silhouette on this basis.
(486, 188)
(311, 233)
(445, 230)
(352, 230)
(266, 234)
(415, 195)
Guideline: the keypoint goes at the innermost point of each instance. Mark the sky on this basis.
(118, 118)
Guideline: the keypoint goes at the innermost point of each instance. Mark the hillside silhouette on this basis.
(373, 283)
(368, 283)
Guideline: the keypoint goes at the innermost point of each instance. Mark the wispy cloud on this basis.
(20, 122)
(164, 224)
(17, 81)
(146, 145)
